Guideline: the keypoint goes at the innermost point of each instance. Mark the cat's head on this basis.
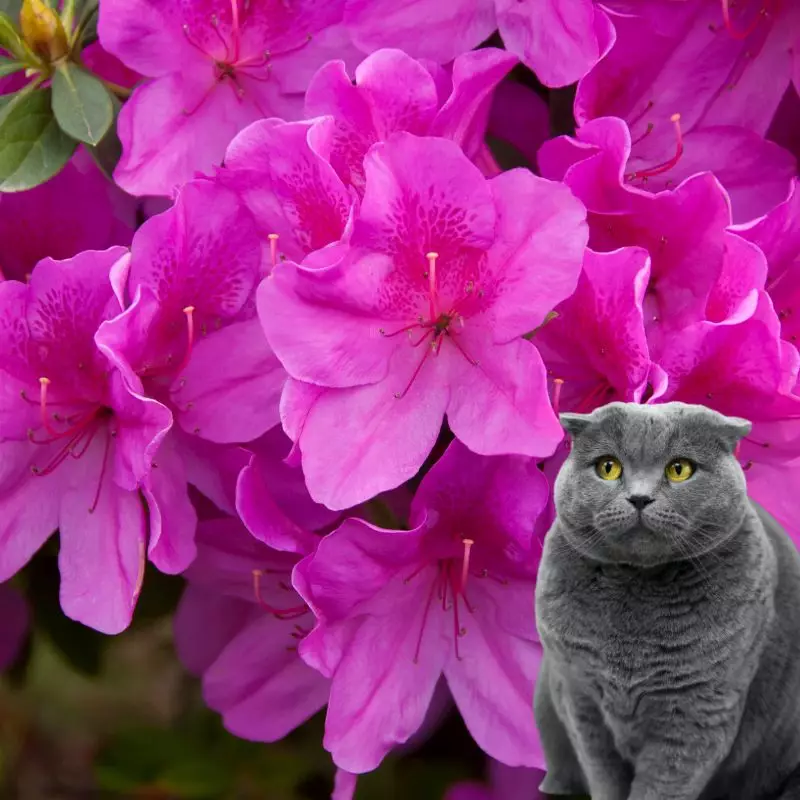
(647, 485)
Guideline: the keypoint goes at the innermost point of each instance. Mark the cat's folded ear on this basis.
(574, 424)
(730, 429)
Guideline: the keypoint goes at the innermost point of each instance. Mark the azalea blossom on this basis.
(394, 92)
(215, 66)
(697, 83)
(238, 625)
(422, 317)
(560, 41)
(190, 337)
(450, 596)
(78, 439)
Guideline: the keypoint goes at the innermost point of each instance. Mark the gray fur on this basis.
(671, 665)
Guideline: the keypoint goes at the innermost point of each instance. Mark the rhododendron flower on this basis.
(741, 367)
(778, 236)
(393, 92)
(191, 337)
(601, 160)
(722, 70)
(14, 622)
(422, 317)
(78, 209)
(238, 625)
(560, 41)
(595, 349)
(397, 609)
(698, 266)
(216, 66)
(77, 440)
(281, 172)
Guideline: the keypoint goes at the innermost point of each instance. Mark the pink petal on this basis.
(597, 344)
(744, 273)
(349, 443)
(339, 347)
(468, 791)
(172, 516)
(232, 369)
(30, 505)
(212, 468)
(281, 172)
(520, 117)
(259, 684)
(187, 256)
(344, 785)
(176, 125)
(448, 30)
(495, 501)
(538, 254)
(204, 623)
(498, 711)
(147, 35)
(501, 406)
(102, 553)
(556, 39)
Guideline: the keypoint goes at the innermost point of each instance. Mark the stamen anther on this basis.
(557, 384)
(273, 248)
(651, 172)
(465, 565)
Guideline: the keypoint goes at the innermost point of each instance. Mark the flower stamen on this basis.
(279, 613)
(659, 169)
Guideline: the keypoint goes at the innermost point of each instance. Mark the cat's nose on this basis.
(639, 501)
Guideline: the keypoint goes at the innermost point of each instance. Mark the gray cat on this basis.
(668, 606)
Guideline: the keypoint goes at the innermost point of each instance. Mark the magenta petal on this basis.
(498, 711)
(188, 257)
(520, 117)
(339, 348)
(449, 30)
(172, 519)
(557, 39)
(280, 171)
(539, 253)
(147, 35)
(204, 623)
(231, 388)
(176, 125)
(468, 791)
(30, 506)
(102, 552)
(259, 684)
(349, 443)
(502, 405)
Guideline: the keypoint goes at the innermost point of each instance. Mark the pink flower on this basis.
(741, 367)
(216, 66)
(238, 625)
(78, 441)
(452, 596)
(192, 339)
(79, 209)
(722, 70)
(422, 318)
(393, 92)
(507, 783)
(596, 349)
(698, 268)
(281, 172)
(778, 236)
(560, 41)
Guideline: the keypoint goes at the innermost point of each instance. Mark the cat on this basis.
(668, 607)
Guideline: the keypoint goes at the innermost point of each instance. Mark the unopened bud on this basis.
(42, 30)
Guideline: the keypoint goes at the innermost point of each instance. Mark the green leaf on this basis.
(8, 66)
(82, 105)
(32, 146)
(10, 38)
(108, 153)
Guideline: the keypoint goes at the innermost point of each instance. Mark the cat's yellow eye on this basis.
(608, 468)
(679, 470)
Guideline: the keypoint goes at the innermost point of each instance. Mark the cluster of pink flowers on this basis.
(324, 382)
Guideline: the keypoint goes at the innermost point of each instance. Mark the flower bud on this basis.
(42, 30)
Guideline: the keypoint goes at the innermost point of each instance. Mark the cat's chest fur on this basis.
(643, 646)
